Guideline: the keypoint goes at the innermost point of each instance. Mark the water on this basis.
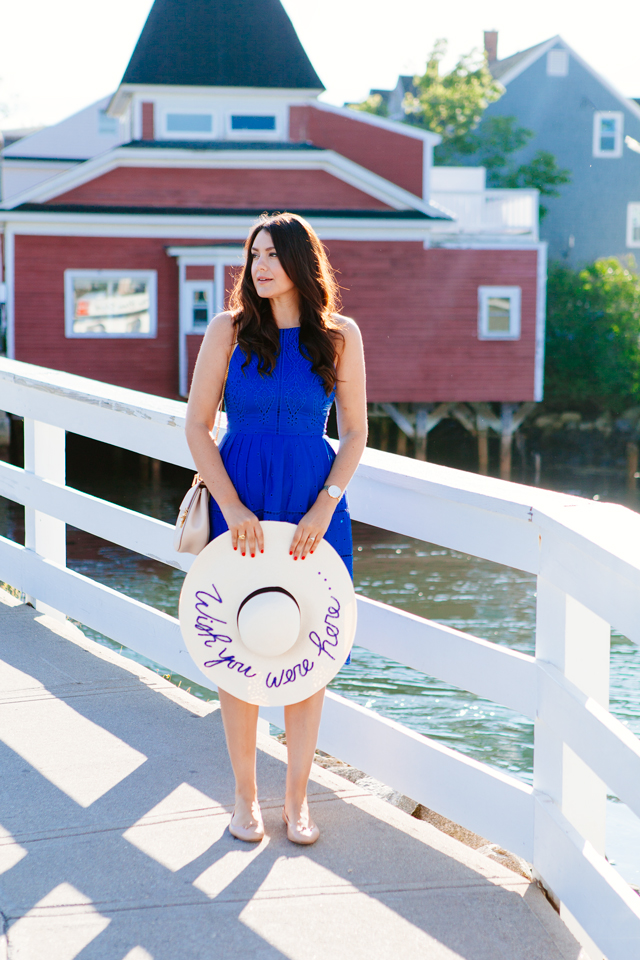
(485, 599)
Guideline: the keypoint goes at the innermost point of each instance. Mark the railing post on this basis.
(44, 455)
(577, 642)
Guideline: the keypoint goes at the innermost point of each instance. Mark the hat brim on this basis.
(213, 591)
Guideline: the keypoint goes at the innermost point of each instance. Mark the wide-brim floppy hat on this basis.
(268, 629)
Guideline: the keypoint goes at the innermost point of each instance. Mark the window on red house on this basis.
(109, 303)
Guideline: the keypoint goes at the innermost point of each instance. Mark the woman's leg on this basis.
(302, 721)
(240, 725)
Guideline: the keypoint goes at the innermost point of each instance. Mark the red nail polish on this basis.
(295, 558)
(262, 551)
(303, 558)
(290, 553)
(253, 554)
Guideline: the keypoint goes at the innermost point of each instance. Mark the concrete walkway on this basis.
(115, 794)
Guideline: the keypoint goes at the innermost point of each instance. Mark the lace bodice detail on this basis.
(291, 400)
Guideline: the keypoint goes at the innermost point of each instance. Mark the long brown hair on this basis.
(305, 261)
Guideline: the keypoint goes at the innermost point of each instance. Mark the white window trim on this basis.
(630, 211)
(515, 295)
(188, 134)
(188, 286)
(151, 276)
(217, 257)
(616, 115)
(253, 134)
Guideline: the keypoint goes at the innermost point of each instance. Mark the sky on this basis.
(56, 58)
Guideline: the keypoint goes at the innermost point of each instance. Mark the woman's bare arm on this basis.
(204, 397)
(351, 403)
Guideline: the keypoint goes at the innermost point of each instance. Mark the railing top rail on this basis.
(93, 392)
(509, 192)
(607, 535)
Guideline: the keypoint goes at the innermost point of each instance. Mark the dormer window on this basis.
(254, 126)
(189, 123)
(247, 121)
(607, 133)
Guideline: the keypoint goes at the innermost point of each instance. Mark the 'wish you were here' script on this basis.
(211, 628)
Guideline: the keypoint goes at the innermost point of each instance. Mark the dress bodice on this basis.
(274, 450)
(290, 401)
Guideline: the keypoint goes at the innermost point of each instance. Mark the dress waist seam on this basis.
(276, 433)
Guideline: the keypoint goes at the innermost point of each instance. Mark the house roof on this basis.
(271, 145)
(384, 215)
(12, 136)
(511, 67)
(217, 43)
(405, 82)
(224, 155)
(499, 67)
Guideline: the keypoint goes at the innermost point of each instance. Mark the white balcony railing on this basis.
(491, 212)
(587, 560)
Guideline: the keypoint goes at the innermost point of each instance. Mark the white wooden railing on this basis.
(587, 560)
(505, 212)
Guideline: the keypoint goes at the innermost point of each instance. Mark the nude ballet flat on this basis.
(306, 835)
(251, 832)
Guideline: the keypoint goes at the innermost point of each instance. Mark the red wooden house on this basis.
(122, 223)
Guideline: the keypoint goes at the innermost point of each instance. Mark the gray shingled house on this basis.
(590, 128)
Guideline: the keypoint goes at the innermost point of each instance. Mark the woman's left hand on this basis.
(312, 527)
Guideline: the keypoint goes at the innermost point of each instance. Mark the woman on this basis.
(289, 355)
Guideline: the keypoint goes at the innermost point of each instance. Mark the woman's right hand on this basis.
(244, 527)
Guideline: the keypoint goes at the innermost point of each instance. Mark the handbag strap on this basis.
(221, 401)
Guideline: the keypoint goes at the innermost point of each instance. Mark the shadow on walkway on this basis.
(115, 796)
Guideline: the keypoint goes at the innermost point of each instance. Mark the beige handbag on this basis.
(192, 530)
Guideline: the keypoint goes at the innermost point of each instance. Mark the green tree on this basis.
(453, 105)
(542, 172)
(493, 143)
(593, 332)
(373, 104)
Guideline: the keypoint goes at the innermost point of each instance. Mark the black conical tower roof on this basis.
(220, 43)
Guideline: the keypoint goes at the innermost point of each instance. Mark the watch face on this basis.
(334, 491)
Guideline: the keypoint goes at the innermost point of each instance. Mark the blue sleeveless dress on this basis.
(275, 450)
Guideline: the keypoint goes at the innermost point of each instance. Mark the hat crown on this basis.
(269, 621)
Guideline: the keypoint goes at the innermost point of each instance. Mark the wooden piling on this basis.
(632, 466)
(483, 450)
(383, 433)
(537, 461)
(422, 417)
(505, 456)
(156, 473)
(506, 437)
(5, 429)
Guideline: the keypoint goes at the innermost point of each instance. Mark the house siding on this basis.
(395, 157)
(150, 365)
(417, 310)
(220, 188)
(560, 110)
